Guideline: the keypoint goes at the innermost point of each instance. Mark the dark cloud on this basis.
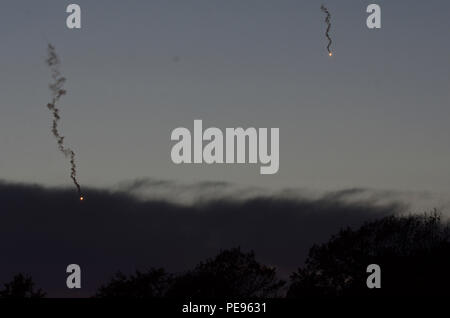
(42, 230)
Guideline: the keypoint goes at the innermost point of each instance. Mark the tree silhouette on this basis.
(152, 284)
(413, 253)
(231, 273)
(21, 286)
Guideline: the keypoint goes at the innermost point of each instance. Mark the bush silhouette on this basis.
(413, 253)
(21, 286)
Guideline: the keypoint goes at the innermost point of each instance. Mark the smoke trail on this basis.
(57, 89)
(327, 33)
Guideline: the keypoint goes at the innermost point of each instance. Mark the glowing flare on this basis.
(81, 198)
(330, 54)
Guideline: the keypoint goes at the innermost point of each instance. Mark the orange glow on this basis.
(81, 198)
(330, 54)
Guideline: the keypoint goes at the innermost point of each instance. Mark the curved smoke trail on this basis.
(327, 33)
(57, 89)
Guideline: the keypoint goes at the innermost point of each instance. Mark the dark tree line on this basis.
(412, 251)
(231, 273)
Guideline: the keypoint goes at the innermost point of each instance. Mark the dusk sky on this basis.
(374, 115)
(364, 134)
